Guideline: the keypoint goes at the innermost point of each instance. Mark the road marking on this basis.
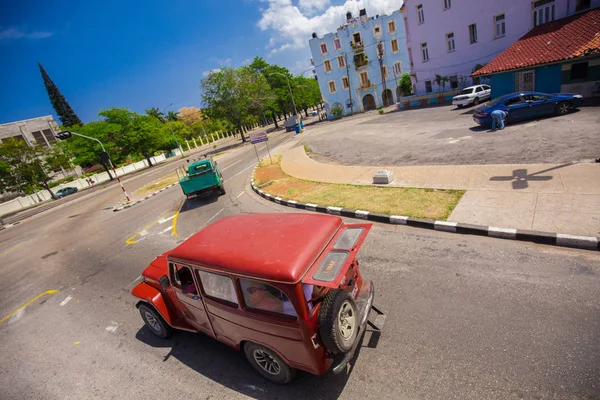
(242, 171)
(238, 196)
(163, 220)
(9, 250)
(231, 165)
(145, 232)
(17, 316)
(113, 327)
(66, 300)
(213, 217)
(174, 225)
(166, 230)
(47, 292)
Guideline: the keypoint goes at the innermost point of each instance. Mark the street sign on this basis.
(259, 137)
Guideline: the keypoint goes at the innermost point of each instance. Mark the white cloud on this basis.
(292, 25)
(14, 33)
(210, 71)
(222, 62)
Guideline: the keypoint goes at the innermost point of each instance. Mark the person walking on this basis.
(498, 117)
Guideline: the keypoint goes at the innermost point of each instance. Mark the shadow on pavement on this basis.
(520, 178)
(199, 201)
(230, 368)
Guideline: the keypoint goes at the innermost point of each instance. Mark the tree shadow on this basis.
(230, 368)
(520, 178)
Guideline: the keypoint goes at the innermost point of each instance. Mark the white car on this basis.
(472, 95)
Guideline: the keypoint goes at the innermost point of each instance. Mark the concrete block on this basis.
(383, 177)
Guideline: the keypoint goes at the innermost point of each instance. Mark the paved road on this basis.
(447, 135)
(468, 317)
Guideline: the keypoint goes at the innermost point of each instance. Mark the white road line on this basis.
(166, 230)
(213, 217)
(163, 220)
(238, 196)
(231, 165)
(16, 316)
(242, 171)
(65, 301)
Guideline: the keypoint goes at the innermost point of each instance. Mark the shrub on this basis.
(337, 112)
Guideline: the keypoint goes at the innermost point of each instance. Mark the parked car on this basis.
(472, 95)
(290, 124)
(65, 192)
(528, 105)
(290, 297)
(202, 176)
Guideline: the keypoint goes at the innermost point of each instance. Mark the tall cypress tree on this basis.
(64, 111)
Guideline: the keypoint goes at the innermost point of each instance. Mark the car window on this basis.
(181, 278)
(479, 89)
(486, 87)
(514, 100)
(467, 91)
(218, 286)
(536, 97)
(264, 297)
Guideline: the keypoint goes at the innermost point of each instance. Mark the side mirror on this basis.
(164, 282)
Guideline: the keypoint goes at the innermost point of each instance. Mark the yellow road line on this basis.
(175, 224)
(9, 250)
(29, 303)
(131, 239)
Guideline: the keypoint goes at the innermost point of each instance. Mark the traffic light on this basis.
(64, 135)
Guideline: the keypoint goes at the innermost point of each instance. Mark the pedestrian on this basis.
(498, 117)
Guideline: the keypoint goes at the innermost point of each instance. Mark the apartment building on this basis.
(33, 131)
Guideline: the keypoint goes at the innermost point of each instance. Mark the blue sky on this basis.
(148, 54)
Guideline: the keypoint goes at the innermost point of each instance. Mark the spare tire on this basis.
(338, 321)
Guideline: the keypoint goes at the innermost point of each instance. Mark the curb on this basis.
(554, 239)
(116, 208)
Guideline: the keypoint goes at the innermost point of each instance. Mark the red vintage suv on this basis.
(285, 288)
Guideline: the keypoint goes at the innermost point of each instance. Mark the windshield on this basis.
(496, 101)
(467, 91)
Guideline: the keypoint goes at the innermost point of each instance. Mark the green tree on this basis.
(156, 113)
(63, 109)
(405, 84)
(172, 116)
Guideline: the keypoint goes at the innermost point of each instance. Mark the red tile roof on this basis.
(563, 39)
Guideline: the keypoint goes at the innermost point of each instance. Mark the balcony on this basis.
(360, 60)
(357, 45)
(365, 85)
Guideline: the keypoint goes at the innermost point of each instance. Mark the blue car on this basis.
(527, 105)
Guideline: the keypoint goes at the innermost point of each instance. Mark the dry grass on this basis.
(411, 202)
(158, 184)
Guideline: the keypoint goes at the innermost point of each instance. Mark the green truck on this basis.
(202, 176)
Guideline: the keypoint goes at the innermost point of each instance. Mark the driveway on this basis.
(447, 135)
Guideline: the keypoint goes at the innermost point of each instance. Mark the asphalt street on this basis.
(468, 317)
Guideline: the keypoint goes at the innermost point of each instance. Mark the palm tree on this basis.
(156, 113)
(172, 116)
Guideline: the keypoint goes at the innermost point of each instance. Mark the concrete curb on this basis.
(117, 208)
(554, 239)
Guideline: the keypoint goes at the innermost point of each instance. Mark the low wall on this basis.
(424, 100)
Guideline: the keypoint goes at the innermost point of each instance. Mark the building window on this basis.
(341, 62)
(392, 26)
(356, 38)
(428, 87)
(424, 52)
(263, 297)
(473, 33)
(49, 135)
(447, 4)
(453, 82)
(385, 72)
(579, 71)
(377, 31)
(450, 42)
(337, 43)
(420, 14)
(398, 68)
(364, 78)
(394, 43)
(218, 286)
(581, 5)
(39, 138)
(332, 88)
(345, 82)
(323, 48)
(543, 11)
(327, 65)
(500, 22)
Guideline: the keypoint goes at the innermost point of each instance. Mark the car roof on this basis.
(275, 247)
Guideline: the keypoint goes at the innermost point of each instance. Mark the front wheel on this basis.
(476, 101)
(155, 322)
(563, 108)
(222, 190)
(268, 363)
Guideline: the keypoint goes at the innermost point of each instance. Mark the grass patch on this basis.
(158, 184)
(411, 202)
(307, 149)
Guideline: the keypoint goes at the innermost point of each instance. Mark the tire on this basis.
(338, 321)
(563, 108)
(459, 106)
(222, 190)
(267, 363)
(476, 101)
(155, 322)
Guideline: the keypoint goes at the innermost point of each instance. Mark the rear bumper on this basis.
(462, 102)
(482, 120)
(364, 302)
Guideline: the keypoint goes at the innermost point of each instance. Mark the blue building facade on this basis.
(358, 67)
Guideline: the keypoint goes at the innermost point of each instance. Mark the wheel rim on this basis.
(268, 363)
(152, 322)
(346, 320)
(564, 108)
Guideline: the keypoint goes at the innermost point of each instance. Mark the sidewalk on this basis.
(543, 197)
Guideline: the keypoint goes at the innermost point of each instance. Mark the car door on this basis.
(487, 92)
(479, 93)
(540, 104)
(186, 290)
(517, 108)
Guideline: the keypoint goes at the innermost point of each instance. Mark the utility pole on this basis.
(349, 88)
(380, 55)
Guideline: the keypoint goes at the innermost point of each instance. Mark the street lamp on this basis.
(291, 94)
(64, 135)
(171, 128)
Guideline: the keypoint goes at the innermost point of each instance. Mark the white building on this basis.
(450, 37)
(32, 131)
